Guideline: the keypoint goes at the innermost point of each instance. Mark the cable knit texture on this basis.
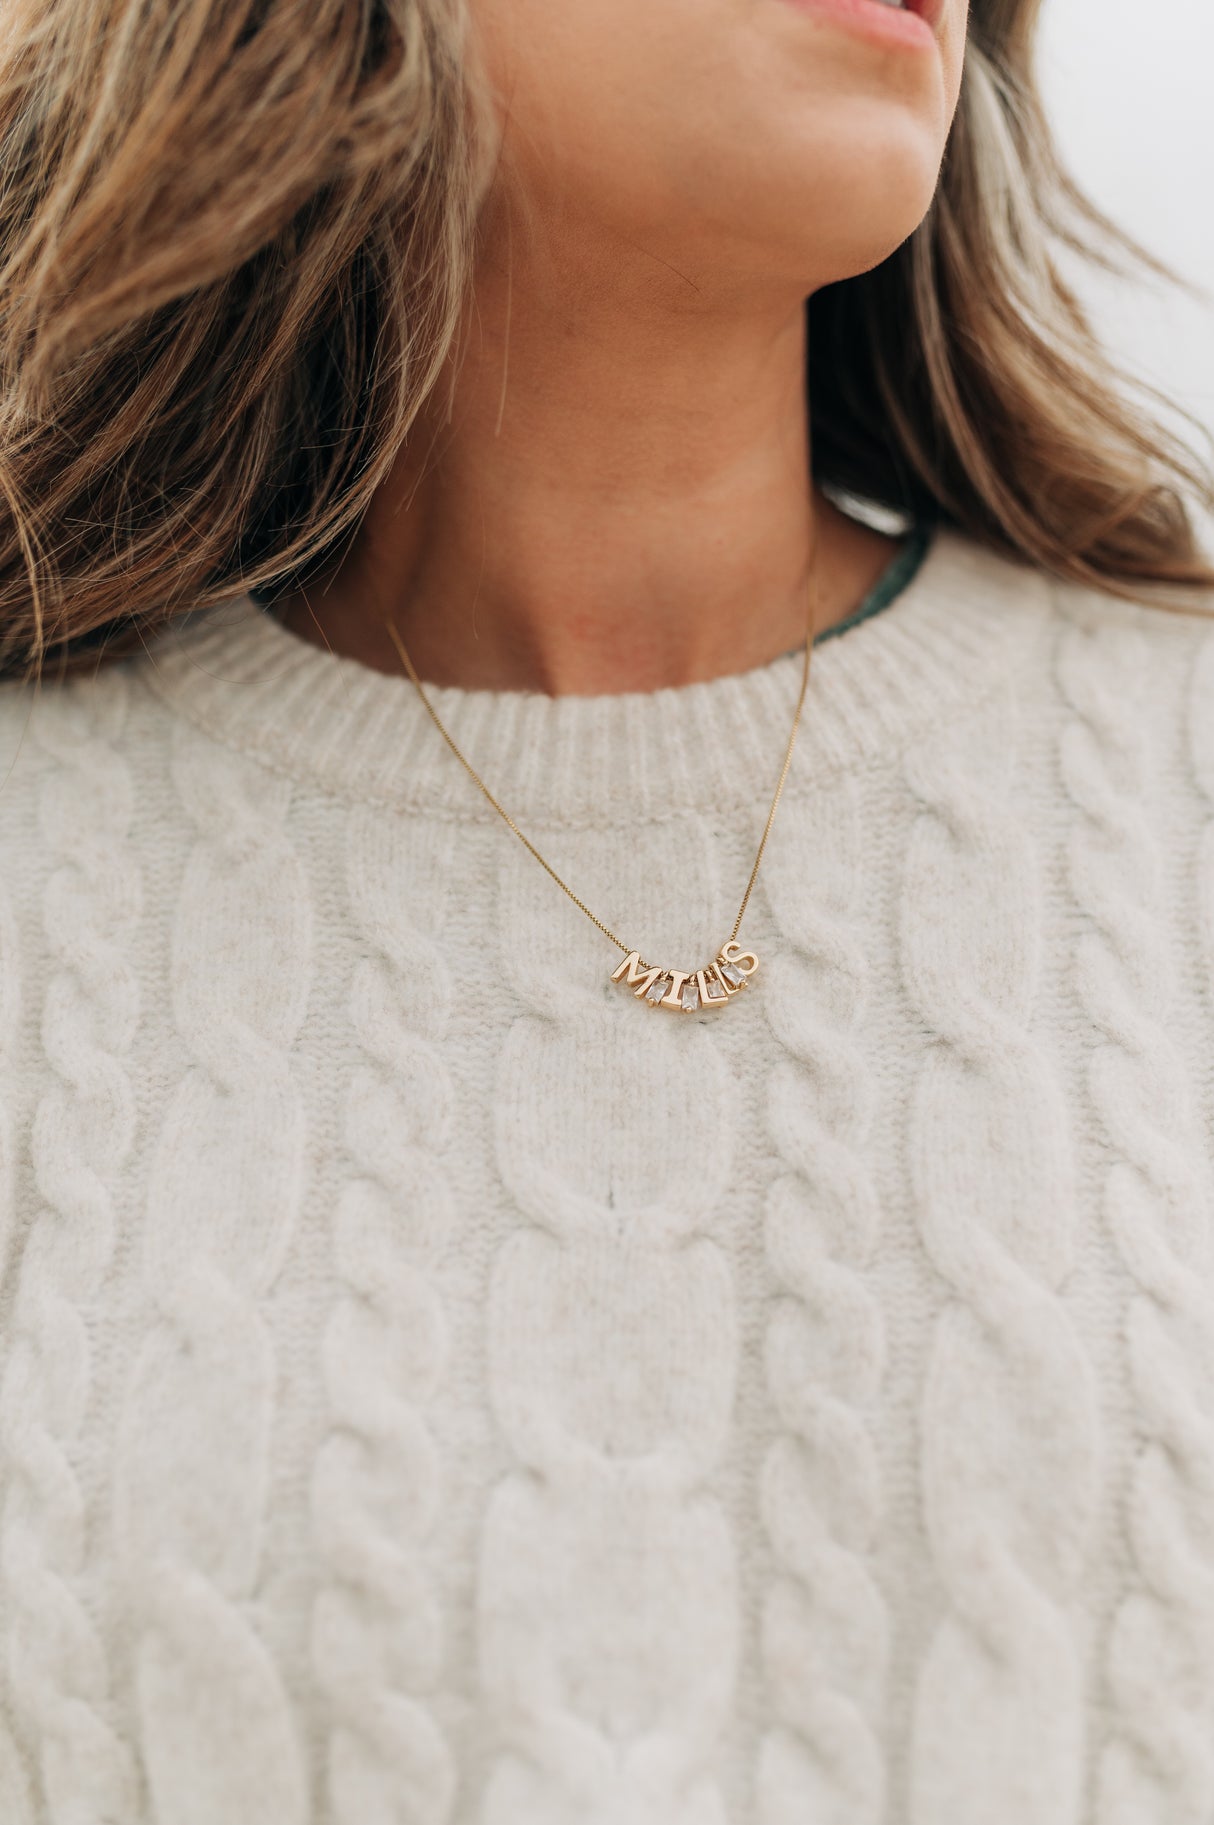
(437, 1389)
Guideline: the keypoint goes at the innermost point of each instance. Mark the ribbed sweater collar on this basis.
(944, 642)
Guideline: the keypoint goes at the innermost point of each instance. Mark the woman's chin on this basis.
(792, 238)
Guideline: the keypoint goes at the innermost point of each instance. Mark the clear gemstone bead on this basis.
(711, 984)
(657, 989)
(732, 973)
(691, 996)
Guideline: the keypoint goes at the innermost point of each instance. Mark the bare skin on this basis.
(619, 497)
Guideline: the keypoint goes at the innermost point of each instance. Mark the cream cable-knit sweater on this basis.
(437, 1389)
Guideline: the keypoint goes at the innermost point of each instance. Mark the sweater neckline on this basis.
(940, 644)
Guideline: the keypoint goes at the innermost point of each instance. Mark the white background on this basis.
(1129, 86)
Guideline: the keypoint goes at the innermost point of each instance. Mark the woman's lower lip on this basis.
(886, 25)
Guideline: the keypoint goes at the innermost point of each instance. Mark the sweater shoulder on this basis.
(104, 727)
(1138, 676)
(1169, 629)
(1130, 661)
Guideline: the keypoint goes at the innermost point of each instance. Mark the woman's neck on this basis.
(619, 498)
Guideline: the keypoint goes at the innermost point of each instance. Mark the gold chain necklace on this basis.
(683, 991)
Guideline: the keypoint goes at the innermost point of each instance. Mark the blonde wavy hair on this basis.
(236, 238)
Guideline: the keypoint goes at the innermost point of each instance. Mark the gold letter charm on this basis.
(639, 978)
(675, 998)
(713, 993)
(736, 964)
